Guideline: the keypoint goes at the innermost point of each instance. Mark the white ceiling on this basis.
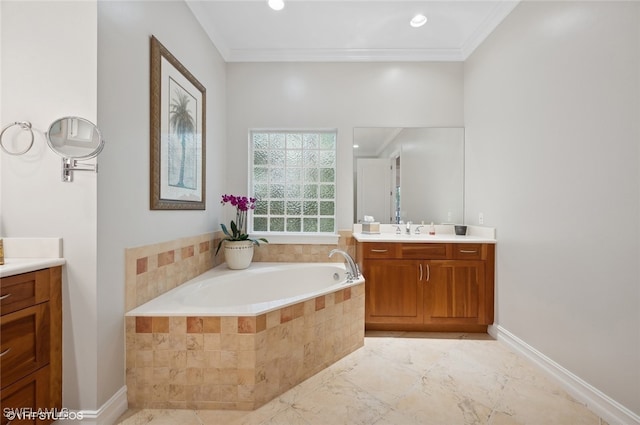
(354, 30)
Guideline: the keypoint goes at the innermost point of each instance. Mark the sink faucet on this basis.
(353, 272)
(409, 227)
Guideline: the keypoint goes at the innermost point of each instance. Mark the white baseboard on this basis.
(598, 402)
(107, 414)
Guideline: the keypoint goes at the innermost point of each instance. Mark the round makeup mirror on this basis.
(75, 138)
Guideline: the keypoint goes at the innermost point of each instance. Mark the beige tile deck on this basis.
(405, 379)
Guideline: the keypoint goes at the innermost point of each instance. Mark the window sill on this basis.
(298, 239)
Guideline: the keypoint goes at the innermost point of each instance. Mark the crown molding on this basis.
(201, 13)
(497, 15)
(344, 55)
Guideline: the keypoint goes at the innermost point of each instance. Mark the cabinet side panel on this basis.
(55, 329)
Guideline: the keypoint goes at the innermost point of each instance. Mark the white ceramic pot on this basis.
(238, 254)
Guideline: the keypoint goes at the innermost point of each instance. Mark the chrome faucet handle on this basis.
(355, 275)
(417, 231)
(398, 231)
(353, 272)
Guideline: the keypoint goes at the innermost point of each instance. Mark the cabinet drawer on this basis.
(24, 342)
(467, 251)
(28, 393)
(23, 290)
(426, 251)
(380, 250)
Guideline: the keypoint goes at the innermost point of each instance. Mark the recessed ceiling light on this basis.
(418, 21)
(356, 146)
(276, 4)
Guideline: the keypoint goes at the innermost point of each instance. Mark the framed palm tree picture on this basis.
(178, 127)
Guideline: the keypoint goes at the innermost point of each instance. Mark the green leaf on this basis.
(257, 241)
(225, 231)
(234, 229)
(220, 245)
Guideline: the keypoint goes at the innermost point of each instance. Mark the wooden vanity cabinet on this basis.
(31, 343)
(427, 286)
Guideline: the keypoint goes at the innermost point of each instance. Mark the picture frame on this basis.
(178, 134)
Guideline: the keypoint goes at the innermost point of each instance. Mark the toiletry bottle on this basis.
(432, 229)
(1, 253)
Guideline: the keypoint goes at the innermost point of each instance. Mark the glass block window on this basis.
(293, 176)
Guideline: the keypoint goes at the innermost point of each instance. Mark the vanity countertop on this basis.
(444, 234)
(13, 266)
(442, 238)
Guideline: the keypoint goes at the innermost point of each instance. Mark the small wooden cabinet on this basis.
(427, 286)
(31, 343)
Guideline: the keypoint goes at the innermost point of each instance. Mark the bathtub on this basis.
(231, 339)
(262, 288)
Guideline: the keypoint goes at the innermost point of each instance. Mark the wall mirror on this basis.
(75, 138)
(409, 174)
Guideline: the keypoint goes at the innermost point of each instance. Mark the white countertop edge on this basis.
(14, 266)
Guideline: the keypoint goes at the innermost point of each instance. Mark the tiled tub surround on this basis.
(305, 253)
(231, 365)
(235, 362)
(152, 270)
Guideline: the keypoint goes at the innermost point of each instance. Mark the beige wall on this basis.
(48, 74)
(124, 219)
(336, 95)
(552, 133)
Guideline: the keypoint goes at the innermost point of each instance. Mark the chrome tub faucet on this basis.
(353, 272)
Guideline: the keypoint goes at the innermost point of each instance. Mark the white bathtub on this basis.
(261, 288)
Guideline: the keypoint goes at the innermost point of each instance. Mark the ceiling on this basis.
(356, 30)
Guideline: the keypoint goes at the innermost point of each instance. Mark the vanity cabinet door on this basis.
(25, 396)
(393, 292)
(455, 293)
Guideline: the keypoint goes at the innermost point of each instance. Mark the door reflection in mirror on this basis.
(409, 174)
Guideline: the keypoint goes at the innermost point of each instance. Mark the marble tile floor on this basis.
(405, 379)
